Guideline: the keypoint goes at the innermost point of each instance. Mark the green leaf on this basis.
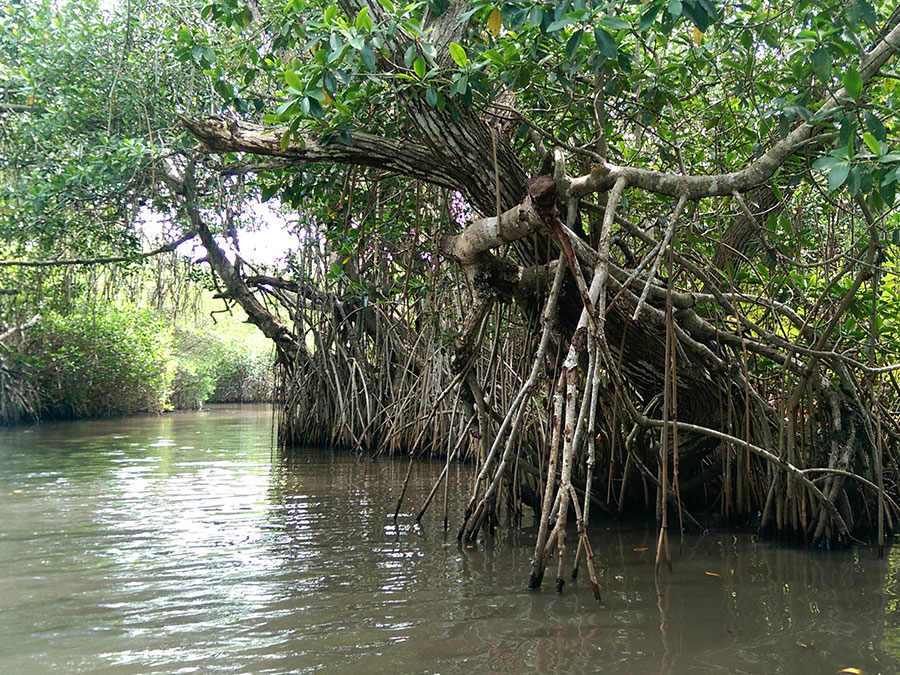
(293, 80)
(853, 83)
(431, 96)
(648, 17)
(368, 56)
(606, 43)
(824, 163)
(675, 8)
(838, 175)
(888, 193)
(853, 181)
(573, 44)
(875, 125)
(821, 63)
(871, 143)
(614, 23)
(330, 82)
(419, 67)
(559, 24)
(363, 20)
(458, 54)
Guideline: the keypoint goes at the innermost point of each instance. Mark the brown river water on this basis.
(186, 543)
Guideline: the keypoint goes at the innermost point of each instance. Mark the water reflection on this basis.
(184, 543)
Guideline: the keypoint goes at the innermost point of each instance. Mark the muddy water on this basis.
(184, 544)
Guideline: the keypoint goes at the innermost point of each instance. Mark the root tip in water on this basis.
(574, 574)
(560, 582)
(535, 582)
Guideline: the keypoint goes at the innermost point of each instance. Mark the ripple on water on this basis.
(178, 544)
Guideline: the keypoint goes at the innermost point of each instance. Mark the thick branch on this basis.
(604, 175)
(399, 156)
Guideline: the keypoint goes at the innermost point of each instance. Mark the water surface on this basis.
(184, 543)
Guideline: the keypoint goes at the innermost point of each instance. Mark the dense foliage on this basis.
(640, 254)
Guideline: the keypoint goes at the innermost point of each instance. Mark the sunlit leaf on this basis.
(458, 54)
(494, 22)
(419, 67)
(363, 20)
(293, 80)
(698, 35)
(871, 143)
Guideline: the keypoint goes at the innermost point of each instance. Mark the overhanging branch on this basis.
(165, 248)
(399, 156)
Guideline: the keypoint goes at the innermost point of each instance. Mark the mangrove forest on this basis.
(622, 258)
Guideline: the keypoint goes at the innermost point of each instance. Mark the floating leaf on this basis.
(640, 549)
(494, 22)
(853, 671)
(712, 574)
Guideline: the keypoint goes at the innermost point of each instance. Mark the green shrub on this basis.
(235, 361)
(107, 361)
(191, 387)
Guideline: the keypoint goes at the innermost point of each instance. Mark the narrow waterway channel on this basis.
(185, 543)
